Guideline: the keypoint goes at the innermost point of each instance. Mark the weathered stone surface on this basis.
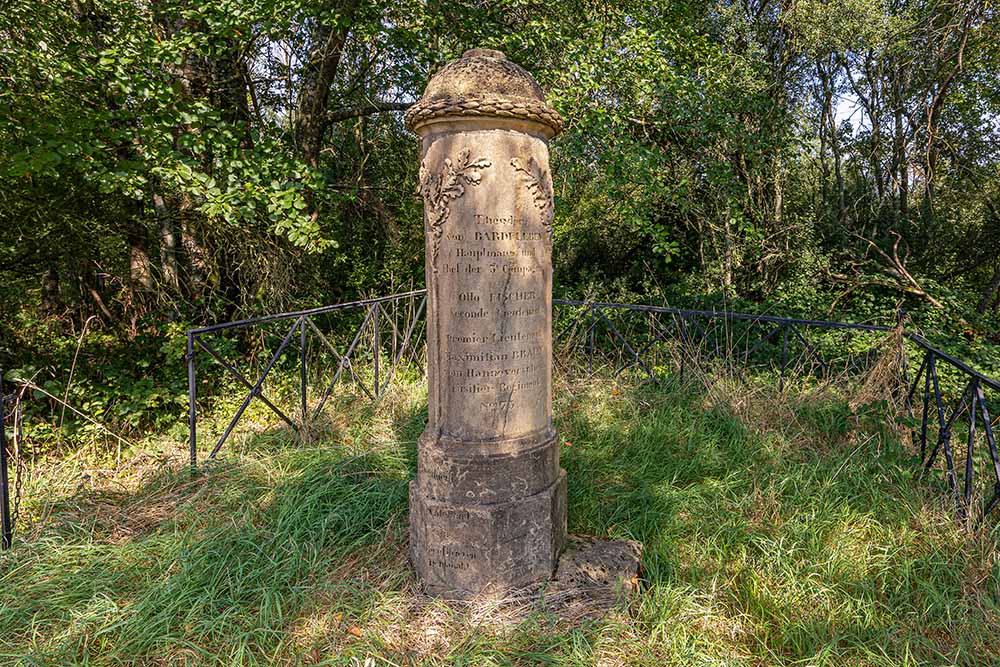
(463, 550)
(608, 565)
(483, 83)
(488, 504)
(596, 578)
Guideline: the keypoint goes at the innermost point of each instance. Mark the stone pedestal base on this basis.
(462, 550)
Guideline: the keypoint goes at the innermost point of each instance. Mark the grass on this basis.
(778, 530)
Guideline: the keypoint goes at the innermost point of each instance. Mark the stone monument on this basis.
(488, 506)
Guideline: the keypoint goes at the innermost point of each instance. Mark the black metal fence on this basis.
(366, 342)
(652, 342)
(385, 321)
(723, 340)
(9, 412)
(972, 405)
(658, 339)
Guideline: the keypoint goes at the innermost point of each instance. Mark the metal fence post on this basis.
(590, 341)
(376, 344)
(904, 362)
(683, 332)
(927, 400)
(6, 527)
(302, 370)
(784, 357)
(192, 409)
(970, 451)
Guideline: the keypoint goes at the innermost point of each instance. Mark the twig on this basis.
(850, 456)
(78, 413)
(72, 368)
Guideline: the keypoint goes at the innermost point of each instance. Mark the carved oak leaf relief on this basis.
(440, 189)
(540, 186)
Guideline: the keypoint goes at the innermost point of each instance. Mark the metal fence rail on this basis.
(602, 332)
(972, 406)
(703, 334)
(376, 315)
(698, 332)
(944, 397)
(629, 338)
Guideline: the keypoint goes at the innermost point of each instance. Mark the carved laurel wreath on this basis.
(540, 187)
(439, 190)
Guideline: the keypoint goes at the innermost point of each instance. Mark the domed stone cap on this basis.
(483, 83)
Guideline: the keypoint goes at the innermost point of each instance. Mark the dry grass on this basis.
(780, 528)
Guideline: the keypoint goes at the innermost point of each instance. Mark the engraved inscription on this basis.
(495, 356)
(453, 558)
(450, 513)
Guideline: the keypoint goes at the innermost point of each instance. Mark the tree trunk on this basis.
(195, 255)
(829, 119)
(838, 170)
(168, 242)
(140, 264)
(987, 295)
(727, 257)
(875, 106)
(318, 75)
(51, 303)
(232, 82)
(902, 166)
(779, 191)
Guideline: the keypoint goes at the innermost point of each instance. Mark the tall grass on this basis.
(779, 529)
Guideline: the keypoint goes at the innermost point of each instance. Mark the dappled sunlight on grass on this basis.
(799, 540)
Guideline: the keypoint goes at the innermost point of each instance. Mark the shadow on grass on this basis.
(758, 551)
(178, 567)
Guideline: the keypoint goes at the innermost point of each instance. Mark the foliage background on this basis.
(170, 162)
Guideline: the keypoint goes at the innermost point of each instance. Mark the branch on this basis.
(366, 109)
(896, 267)
(32, 385)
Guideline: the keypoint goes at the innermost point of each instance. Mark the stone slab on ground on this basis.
(593, 576)
(591, 562)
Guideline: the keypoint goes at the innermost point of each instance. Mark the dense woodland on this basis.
(166, 164)
(169, 162)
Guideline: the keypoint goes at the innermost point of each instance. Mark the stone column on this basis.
(488, 507)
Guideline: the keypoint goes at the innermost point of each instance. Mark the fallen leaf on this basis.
(354, 630)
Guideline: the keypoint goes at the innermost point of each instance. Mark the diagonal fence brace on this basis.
(255, 390)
